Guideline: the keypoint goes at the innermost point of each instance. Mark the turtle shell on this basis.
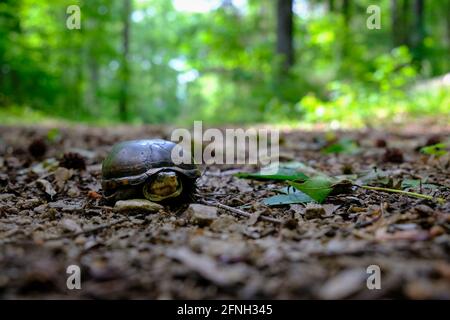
(131, 163)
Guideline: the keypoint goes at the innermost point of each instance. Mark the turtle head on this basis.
(163, 185)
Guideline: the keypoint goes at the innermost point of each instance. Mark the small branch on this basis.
(95, 229)
(241, 212)
(407, 193)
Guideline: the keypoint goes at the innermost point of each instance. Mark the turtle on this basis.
(144, 169)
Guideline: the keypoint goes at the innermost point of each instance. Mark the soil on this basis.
(52, 215)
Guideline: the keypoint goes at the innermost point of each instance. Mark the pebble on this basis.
(70, 225)
(313, 211)
(138, 205)
(201, 215)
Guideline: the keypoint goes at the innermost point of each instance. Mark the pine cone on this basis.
(393, 155)
(72, 160)
(37, 148)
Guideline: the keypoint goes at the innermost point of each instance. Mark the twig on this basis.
(407, 193)
(222, 173)
(97, 228)
(241, 212)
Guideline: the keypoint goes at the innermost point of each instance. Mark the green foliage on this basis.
(219, 66)
(292, 197)
(290, 171)
(437, 150)
(342, 146)
(318, 188)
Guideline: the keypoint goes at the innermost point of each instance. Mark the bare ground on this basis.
(51, 218)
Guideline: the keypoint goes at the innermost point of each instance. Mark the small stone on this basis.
(80, 240)
(138, 205)
(225, 223)
(180, 222)
(313, 211)
(436, 231)
(41, 209)
(201, 215)
(73, 192)
(70, 225)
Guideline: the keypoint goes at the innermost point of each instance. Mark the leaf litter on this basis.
(304, 231)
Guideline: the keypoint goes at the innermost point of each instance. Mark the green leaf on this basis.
(437, 150)
(410, 183)
(291, 198)
(291, 171)
(342, 146)
(415, 184)
(53, 135)
(318, 187)
(281, 175)
(374, 176)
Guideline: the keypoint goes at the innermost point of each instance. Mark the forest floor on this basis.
(52, 217)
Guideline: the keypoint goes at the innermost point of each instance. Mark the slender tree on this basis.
(396, 26)
(447, 23)
(419, 29)
(285, 34)
(125, 72)
(345, 9)
(331, 6)
(405, 22)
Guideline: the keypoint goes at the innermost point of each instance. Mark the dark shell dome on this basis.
(133, 162)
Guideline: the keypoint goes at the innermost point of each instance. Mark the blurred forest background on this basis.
(223, 61)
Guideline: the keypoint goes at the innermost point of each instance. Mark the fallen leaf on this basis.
(290, 171)
(318, 187)
(94, 195)
(344, 284)
(61, 176)
(47, 186)
(208, 268)
(292, 198)
(344, 145)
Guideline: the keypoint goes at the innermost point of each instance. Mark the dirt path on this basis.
(52, 217)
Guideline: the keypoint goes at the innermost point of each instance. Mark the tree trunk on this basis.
(94, 83)
(405, 22)
(396, 26)
(331, 6)
(447, 20)
(285, 33)
(419, 28)
(125, 72)
(345, 9)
